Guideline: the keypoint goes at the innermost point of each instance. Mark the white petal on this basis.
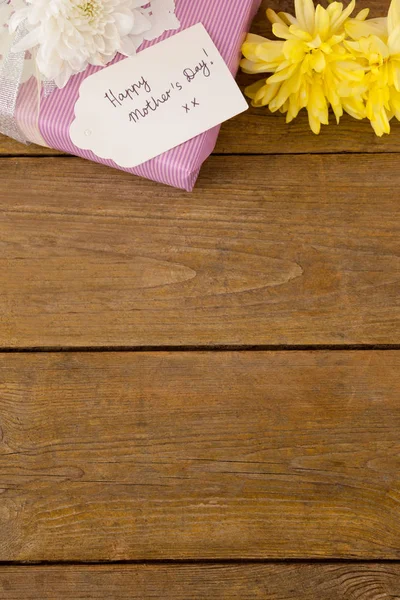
(128, 47)
(125, 23)
(141, 24)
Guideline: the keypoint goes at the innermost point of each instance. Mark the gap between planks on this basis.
(181, 562)
(164, 349)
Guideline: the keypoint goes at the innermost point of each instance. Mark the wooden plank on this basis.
(137, 456)
(267, 250)
(9, 147)
(261, 132)
(197, 582)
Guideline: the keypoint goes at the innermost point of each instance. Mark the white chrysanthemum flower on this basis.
(69, 35)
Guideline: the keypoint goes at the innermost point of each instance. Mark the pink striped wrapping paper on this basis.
(227, 22)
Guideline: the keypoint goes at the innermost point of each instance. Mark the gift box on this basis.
(46, 118)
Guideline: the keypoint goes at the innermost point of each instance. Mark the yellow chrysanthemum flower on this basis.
(311, 67)
(377, 45)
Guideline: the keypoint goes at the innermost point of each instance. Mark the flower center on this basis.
(90, 9)
(376, 62)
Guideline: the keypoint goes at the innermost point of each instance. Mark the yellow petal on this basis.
(283, 75)
(357, 29)
(299, 33)
(294, 50)
(252, 90)
(381, 124)
(273, 17)
(349, 71)
(270, 92)
(378, 46)
(354, 107)
(315, 123)
(338, 111)
(252, 38)
(362, 15)
(317, 101)
(285, 107)
(286, 89)
(271, 51)
(282, 31)
(318, 61)
(305, 13)
(303, 95)
(396, 75)
(394, 41)
(262, 57)
(261, 93)
(253, 68)
(336, 39)
(283, 66)
(395, 104)
(334, 11)
(322, 22)
(315, 43)
(393, 19)
(287, 18)
(294, 108)
(345, 14)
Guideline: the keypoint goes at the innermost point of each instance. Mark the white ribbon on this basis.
(10, 81)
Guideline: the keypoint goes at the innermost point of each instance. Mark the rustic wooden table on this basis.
(202, 391)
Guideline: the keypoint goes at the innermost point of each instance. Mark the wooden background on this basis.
(199, 393)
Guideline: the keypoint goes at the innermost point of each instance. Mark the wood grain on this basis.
(138, 456)
(10, 147)
(197, 582)
(261, 132)
(203, 455)
(258, 131)
(267, 250)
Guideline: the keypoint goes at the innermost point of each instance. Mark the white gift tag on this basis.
(143, 106)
